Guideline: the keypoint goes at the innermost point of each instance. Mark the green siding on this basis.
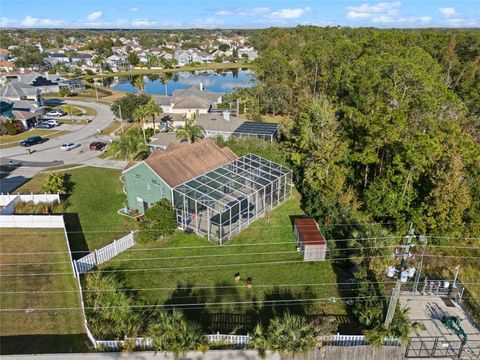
(138, 184)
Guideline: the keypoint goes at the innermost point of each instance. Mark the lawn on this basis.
(30, 331)
(92, 219)
(184, 263)
(13, 140)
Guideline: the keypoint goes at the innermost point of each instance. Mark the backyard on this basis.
(30, 331)
(187, 270)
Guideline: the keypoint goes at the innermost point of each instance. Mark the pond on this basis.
(223, 81)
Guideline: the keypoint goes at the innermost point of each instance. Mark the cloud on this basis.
(448, 11)
(146, 23)
(289, 13)
(143, 23)
(254, 11)
(405, 20)
(210, 22)
(134, 9)
(224, 12)
(5, 22)
(462, 22)
(94, 16)
(365, 11)
(30, 21)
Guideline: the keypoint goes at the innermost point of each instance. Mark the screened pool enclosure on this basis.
(223, 201)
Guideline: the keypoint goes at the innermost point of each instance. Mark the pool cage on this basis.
(223, 201)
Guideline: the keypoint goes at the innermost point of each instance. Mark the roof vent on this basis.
(201, 86)
(226, 115)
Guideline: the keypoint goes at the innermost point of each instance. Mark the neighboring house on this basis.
(24, 97)
(153, 179)
(190, 101)
(56, 58)
(249, 53)
(117, 62)
(47, 83)
(6, 66)
(182, 57)
(4, 55)
(83, 57)
(20, 110)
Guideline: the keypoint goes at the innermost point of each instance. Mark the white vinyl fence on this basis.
(32, 221)
(353, 340)
(98, 257)
(8, 201)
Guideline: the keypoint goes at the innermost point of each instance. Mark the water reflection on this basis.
(167, 83)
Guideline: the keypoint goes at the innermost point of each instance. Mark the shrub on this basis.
(8, 128)
(158, 221)
(55, 184)
(64, 91)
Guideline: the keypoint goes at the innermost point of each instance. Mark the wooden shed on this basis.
(311, 242)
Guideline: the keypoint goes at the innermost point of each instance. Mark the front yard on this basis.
(91, 209)
(28, 330)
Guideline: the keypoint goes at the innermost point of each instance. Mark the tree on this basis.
(130, 145)
(158, 221)
(8, 128)
(190, 131)
(139, 84)
(64, 91)
(153, 110)
(55, 184)
(289, 335)
(223, 47)
(133, 58)
(126, 105)
(165, 78)
(139, 115)
(172, 333)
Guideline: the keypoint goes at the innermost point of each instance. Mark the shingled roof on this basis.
(187, 162)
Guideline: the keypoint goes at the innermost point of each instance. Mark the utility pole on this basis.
(417, 278)
(396, 291)
(121, 117)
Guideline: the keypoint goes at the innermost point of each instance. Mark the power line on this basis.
(226, 255)
(223, 265)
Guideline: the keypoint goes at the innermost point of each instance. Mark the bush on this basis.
(55, 184)
(7, 128)
(158, 221)
(64, 92)
(30, 208)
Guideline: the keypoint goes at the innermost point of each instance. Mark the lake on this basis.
(223, 81)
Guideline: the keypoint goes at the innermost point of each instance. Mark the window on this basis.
(149, 189)
(162, 193)
(136, 176)
(155, 182)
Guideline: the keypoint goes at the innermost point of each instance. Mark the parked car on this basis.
(33, 140)
(44, 125)
(69, 146)
(51, 122)
(55, 112)
(97, 145)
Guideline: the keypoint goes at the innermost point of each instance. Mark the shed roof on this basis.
(309, 231)
(187, 162)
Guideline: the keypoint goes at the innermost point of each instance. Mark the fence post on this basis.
(75, 267)
(115, 247)
(96, 258)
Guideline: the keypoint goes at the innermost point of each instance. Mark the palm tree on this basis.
(153, 110)
(139, 115)
(99, 60)
(130, 145)
(259, 341)
(165, 78)
(291, 335)
(190, 131)
(172, 333)
(139, 84)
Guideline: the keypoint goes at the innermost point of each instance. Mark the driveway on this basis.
(49, 153)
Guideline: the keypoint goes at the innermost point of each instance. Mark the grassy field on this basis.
(92, 219)
(30, 331)
(78, 110)
(184, 263)
(13, 140)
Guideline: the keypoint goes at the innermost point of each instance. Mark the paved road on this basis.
(49, 154)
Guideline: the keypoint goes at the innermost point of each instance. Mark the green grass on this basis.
(38, 331)
(79, 110)
(92, 219)
(212, 265)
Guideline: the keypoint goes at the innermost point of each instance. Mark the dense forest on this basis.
(381, 125)
(381, 128)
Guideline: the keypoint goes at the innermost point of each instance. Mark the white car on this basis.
(51, 122)
(55, 112)
(69, 146)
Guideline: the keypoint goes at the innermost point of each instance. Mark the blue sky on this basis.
(236, 14)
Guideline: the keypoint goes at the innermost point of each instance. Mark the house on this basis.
(6, 66)
(153, 179)
(47, 83)
(24, 97)
(56, 59)
(214, 192)
(4, 55)
(19, 111)
(311, 242)
(190, 101)
(83, 57)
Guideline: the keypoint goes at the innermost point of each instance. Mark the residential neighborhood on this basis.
(201, 180)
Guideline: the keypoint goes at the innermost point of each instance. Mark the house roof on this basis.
(309, 231)
(162, 99)
(17, 89)
(23, 115)
(164, 139)
(192, 102)
(194, 90)
(187, 162)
